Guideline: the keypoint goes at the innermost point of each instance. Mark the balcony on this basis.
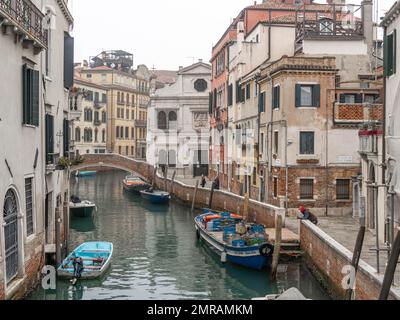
(26, 20)
(358, 113)
(369, 140)
(97, 123)
(141, 123)
(98, 104)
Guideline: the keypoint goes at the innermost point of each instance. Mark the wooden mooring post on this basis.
(154, 177)
(195, 195)
(357, 251)
(277, 248)
(166, 179)
(391, 268)
(246, 206)
(211, 197)
(172, 183)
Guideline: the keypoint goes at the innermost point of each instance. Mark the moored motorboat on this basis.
(155, 196)
(86, 173)
(96, 258)
(135, 184)
(240, 243)
(81, 209)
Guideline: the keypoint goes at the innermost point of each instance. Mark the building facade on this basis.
(89, 131)
(37, 71)
(178, 123)
(128, 96)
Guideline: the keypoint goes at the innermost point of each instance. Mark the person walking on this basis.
(203, 181)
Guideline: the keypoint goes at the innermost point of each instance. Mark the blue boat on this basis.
(234, 240)
(96, 260)
(86, 173)
(156, 196)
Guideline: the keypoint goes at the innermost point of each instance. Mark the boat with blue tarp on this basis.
(156, 196)
(82, 174)
(236, 241)
(96, 257)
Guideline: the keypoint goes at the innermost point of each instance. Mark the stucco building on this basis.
(178, 123)
(128, 96)
(37, 71)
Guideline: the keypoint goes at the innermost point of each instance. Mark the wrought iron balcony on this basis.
(26, 19)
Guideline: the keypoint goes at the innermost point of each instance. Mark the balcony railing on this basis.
(358, 113)
(27, 17)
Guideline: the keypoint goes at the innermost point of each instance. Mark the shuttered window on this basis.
(68, 61)
(248, 91)
(308, 95)
(30, 96)
(230, 95)
(390, 53)
(238, 92)
(306, 189)
(49, 139)
(343, 189)
(276, 97)
(261, 102)
(307, 143)
(210, 103)
(29, 206)
(66, 136)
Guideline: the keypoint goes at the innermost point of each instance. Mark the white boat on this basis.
(82, 209)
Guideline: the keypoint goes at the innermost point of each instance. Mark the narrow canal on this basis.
(157, 255)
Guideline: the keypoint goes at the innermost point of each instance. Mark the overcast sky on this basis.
(164, 34)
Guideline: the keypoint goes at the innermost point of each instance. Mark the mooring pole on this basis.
(172, 182)
(277, 249)
(195, 195)
(166, 179)
(211, 197)
(357, 250)
(246, 207)
(391, 268)
(154, 176)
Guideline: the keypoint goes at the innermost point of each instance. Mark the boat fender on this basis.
(267, 250)
(223, 257)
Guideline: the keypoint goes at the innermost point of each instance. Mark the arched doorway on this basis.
(10, 216)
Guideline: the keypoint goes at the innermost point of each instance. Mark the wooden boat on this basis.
(135, 184)
(81, 209)
(96, 260)
(234, 240)
(293, 294)
(86, 173)
(156, 196)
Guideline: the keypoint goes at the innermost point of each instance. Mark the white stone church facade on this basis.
(178, 123)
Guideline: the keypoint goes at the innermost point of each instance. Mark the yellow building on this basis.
(128, 95)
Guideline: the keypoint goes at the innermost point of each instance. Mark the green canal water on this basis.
(157, 255)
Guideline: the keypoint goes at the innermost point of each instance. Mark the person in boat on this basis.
(75, 199)
(306, 214)
(150, 190)
(78, 267)
(203, 181)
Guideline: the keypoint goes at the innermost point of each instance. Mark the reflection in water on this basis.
(157, 255)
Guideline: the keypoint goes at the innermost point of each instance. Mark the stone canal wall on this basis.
(222, 200)
(328, 260)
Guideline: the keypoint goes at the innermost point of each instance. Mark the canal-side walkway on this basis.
(345, 230)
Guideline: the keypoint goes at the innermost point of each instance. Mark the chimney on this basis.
(368, 24)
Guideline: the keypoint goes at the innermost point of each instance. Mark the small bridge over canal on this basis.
(114, 161)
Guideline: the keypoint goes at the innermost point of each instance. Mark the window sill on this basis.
(307, 200)
(307, 108)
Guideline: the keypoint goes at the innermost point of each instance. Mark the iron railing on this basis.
(27, 16)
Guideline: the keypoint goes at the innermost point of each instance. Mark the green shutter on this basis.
(210, 103)
(49, 139)
(385, 56)
(317, 96)
(24, 94)
(394, 51)
(66, 135)
(276, 97)
(35, 98)
(261, 102)
(298, 95)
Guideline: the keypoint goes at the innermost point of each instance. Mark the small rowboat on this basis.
(234, 240)
(135, 184)
(81, 209)
(96, 260)
(156, 197)
(86, 173)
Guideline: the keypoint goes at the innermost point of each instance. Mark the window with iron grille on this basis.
(29, 206)
(307, 189)
(307, 143)
(343, 189)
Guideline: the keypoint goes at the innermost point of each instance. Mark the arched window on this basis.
(172, 158)
(103, 136)
(10, 216)
(104, 117)
(77, 134)
(172, 120)
(122, 97)
(162, 120)
(162, 157)
(96, 134)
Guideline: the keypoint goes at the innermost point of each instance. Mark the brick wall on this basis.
(327, 258)
(320, 188)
